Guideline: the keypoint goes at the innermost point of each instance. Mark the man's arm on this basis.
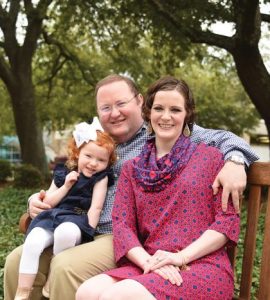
(232, 176)
(36, 204)
(228, 143)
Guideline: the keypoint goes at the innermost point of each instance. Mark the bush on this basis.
(27, 176)
(5, 170)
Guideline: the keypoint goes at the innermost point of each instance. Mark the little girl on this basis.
(76, 195)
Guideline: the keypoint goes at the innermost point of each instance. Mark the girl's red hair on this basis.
(103, 140)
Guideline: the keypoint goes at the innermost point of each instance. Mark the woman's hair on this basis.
(169, 83)
(115, 78)
(103, 140)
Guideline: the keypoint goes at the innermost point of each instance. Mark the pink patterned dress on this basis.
(172, 218)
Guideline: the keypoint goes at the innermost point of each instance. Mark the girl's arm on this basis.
(54, 195)
(98, 199)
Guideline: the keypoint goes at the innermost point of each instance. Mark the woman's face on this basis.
(168, 115)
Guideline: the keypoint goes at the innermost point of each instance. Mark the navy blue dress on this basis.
(74, 206)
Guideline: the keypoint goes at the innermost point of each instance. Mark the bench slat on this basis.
(250, 241)
(264, 291)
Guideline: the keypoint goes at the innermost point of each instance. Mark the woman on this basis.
(169, 230)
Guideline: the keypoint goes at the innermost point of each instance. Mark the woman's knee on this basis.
(94, 287)
(86, 291)
(126, 289)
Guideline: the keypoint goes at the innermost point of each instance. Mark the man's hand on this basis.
(233, 179)
(36, 206)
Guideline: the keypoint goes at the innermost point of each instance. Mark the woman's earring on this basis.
(186, 131)
(150, 128)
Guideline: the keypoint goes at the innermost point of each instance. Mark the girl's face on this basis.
(92, 159)
(168, 115)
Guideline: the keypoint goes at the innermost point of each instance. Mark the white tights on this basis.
(65, 236)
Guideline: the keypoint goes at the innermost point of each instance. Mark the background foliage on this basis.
(12, 205)
(81, 42)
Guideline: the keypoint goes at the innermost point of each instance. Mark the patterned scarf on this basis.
(153, 175)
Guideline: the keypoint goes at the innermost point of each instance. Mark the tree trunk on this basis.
(255, 79)
(26, 121)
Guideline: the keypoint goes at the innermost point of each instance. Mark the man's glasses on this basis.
(106, 108)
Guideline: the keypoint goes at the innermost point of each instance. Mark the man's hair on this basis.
(115, 78)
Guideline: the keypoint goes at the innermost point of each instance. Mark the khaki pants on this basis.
(69, 269)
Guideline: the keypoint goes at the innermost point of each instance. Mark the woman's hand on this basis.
(162, 258)
(167, 265)
(171, 273)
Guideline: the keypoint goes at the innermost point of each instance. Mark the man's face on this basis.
(119, 110)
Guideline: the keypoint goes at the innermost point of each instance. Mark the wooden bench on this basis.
(258, 178)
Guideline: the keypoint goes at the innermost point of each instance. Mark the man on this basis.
(119, 108)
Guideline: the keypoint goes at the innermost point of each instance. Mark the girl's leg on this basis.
(94, 287)
(37, 240)
(126, 289)
(66, 235)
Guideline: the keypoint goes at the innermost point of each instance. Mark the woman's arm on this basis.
(207, 243)
(124, 215)
(98, 199)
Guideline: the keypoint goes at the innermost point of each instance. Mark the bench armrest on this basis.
(24, 222)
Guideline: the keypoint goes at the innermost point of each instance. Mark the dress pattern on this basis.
(74, 206)
(170, 220)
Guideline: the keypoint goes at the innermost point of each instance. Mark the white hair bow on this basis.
(85, 132)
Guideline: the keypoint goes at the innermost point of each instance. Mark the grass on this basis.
(13, 204)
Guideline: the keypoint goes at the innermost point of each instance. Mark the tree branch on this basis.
(70, 55)
(195, 35)
(35, 17)
(57, 66)
(248, 22)
(265, 18)
(3, 17)
(14, 10)
(8, 25)
(5, 73)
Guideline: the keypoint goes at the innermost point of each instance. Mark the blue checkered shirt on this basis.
(228, 143)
